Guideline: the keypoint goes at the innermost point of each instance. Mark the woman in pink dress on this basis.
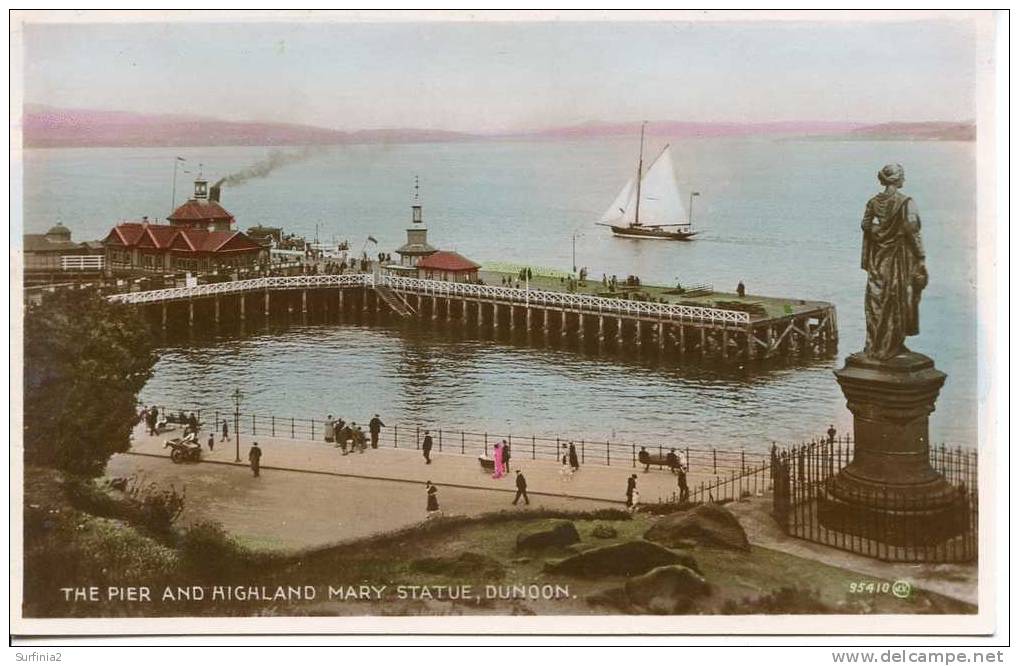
(500, 468)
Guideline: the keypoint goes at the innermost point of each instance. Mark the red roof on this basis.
(201, 240)
(163, 236)
(447, 261)
(200, 211)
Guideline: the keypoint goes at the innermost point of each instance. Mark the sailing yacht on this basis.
(650, 204)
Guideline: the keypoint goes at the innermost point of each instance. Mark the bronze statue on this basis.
(894, 260)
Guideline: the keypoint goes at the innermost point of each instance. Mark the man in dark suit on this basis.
(255, 458)
(521, 489)
(426, 448)
(375, 426)
(506, 455)
(631, 485)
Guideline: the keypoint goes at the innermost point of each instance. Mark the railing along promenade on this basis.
(438, 288)
(703, 461)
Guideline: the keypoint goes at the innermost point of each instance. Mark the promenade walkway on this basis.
(593, 482)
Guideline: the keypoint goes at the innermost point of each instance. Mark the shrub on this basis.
(209, 553)
(85, 361)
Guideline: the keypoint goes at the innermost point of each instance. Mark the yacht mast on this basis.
(640, 168)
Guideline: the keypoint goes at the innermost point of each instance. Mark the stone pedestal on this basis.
(889, 491)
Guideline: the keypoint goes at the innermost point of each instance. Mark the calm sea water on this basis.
(782, 216)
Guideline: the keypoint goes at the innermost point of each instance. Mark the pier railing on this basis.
(724, 464)
(440, 288)
(291, 282)
(563, 300)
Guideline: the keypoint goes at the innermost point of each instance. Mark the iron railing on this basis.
(438, 288)
(884, 524)
(721, 463)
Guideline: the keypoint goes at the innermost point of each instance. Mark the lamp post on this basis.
(574, 236)
(692, 195)
(237, 424)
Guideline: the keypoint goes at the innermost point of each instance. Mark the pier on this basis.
(711, 327)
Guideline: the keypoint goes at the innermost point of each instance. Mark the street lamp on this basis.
(237, 424)
(692, 195)
(574, 236)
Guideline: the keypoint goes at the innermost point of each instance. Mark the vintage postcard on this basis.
(443, 322)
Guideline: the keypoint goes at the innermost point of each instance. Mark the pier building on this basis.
(54, 253)
(199, 237)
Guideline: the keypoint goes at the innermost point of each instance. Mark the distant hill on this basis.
(683, 129)
(46, 127)
(928, 131)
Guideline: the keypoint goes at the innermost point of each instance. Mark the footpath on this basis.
(544, 477)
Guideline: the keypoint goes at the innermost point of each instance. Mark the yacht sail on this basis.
(621, 210)
(650, 205)
(660, 200)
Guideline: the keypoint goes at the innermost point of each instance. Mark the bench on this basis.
(647, 459)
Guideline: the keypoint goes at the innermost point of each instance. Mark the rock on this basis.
(604, 532)
(464, 564)
(614, 598)
(667, 590)
(705, 523)
(623, 559)
(562, 533)
(520, 560)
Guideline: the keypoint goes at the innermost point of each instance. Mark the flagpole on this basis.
(173, 191)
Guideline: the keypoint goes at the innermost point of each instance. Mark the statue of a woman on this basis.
(894, 260)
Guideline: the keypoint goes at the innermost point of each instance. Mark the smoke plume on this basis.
(275, 160)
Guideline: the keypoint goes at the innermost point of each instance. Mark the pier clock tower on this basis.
(417, 246)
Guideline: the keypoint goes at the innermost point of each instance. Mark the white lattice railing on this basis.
(564, 300)
(549, 299)
(242, 286)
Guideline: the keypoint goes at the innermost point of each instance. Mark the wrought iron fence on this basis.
(725, 464)
(753, 480)
(887, 525)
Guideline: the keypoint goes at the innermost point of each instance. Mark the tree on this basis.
(86, 359)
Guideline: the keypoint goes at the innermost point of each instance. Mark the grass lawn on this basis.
(67, 546)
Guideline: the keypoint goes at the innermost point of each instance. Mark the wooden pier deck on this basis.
(679, 327)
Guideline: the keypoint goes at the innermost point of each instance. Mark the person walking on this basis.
(212, 441)
(574, 461)
(684, 490)
(226, 431)
(255, 458)
(741, 289)
(521, 489)
(631, 487)
(432, 506)
(150, 420)
(375, 426)
(426, 448)
(505, 455)
(328, 430)
(831, 433)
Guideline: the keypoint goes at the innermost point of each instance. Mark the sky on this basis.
(486, 76)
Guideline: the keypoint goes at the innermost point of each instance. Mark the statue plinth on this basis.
(889, 491)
